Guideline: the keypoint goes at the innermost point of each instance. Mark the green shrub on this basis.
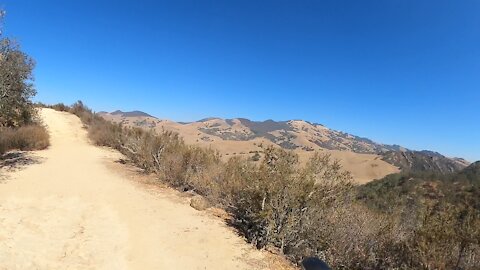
(16, 87)
(60, 107)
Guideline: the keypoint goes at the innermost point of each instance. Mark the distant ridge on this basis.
(206, 119)
(472, 172)
(421, 161)
(132, 114)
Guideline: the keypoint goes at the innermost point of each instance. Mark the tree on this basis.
(16, 87)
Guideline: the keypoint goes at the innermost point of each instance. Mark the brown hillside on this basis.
(243, 137)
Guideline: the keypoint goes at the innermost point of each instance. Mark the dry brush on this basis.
(300, 210)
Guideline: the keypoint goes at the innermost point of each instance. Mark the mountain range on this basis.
(364, 158)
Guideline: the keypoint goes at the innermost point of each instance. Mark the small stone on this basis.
(199, 203)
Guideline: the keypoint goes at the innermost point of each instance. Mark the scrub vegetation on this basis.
(400, 222)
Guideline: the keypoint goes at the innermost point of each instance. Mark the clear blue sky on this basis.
(398, 71)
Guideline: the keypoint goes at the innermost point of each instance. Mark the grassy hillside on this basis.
(366, 159)
(245, 138)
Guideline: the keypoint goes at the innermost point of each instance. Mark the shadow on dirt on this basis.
(122, 161)
(14, 161)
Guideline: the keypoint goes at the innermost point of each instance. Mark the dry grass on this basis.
(25, 138)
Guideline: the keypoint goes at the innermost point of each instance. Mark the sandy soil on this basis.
(72, 211)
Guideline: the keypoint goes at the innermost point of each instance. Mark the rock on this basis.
(199, 203)
(314, 264)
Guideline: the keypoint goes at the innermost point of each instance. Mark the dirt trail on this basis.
(70, 211)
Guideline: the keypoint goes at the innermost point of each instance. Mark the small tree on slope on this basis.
(16, 87)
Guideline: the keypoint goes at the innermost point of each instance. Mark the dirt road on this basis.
(69, 210)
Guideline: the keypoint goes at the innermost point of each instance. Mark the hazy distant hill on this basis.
(366, 159)
(471, 173)
(131, 114)
(420, 161)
